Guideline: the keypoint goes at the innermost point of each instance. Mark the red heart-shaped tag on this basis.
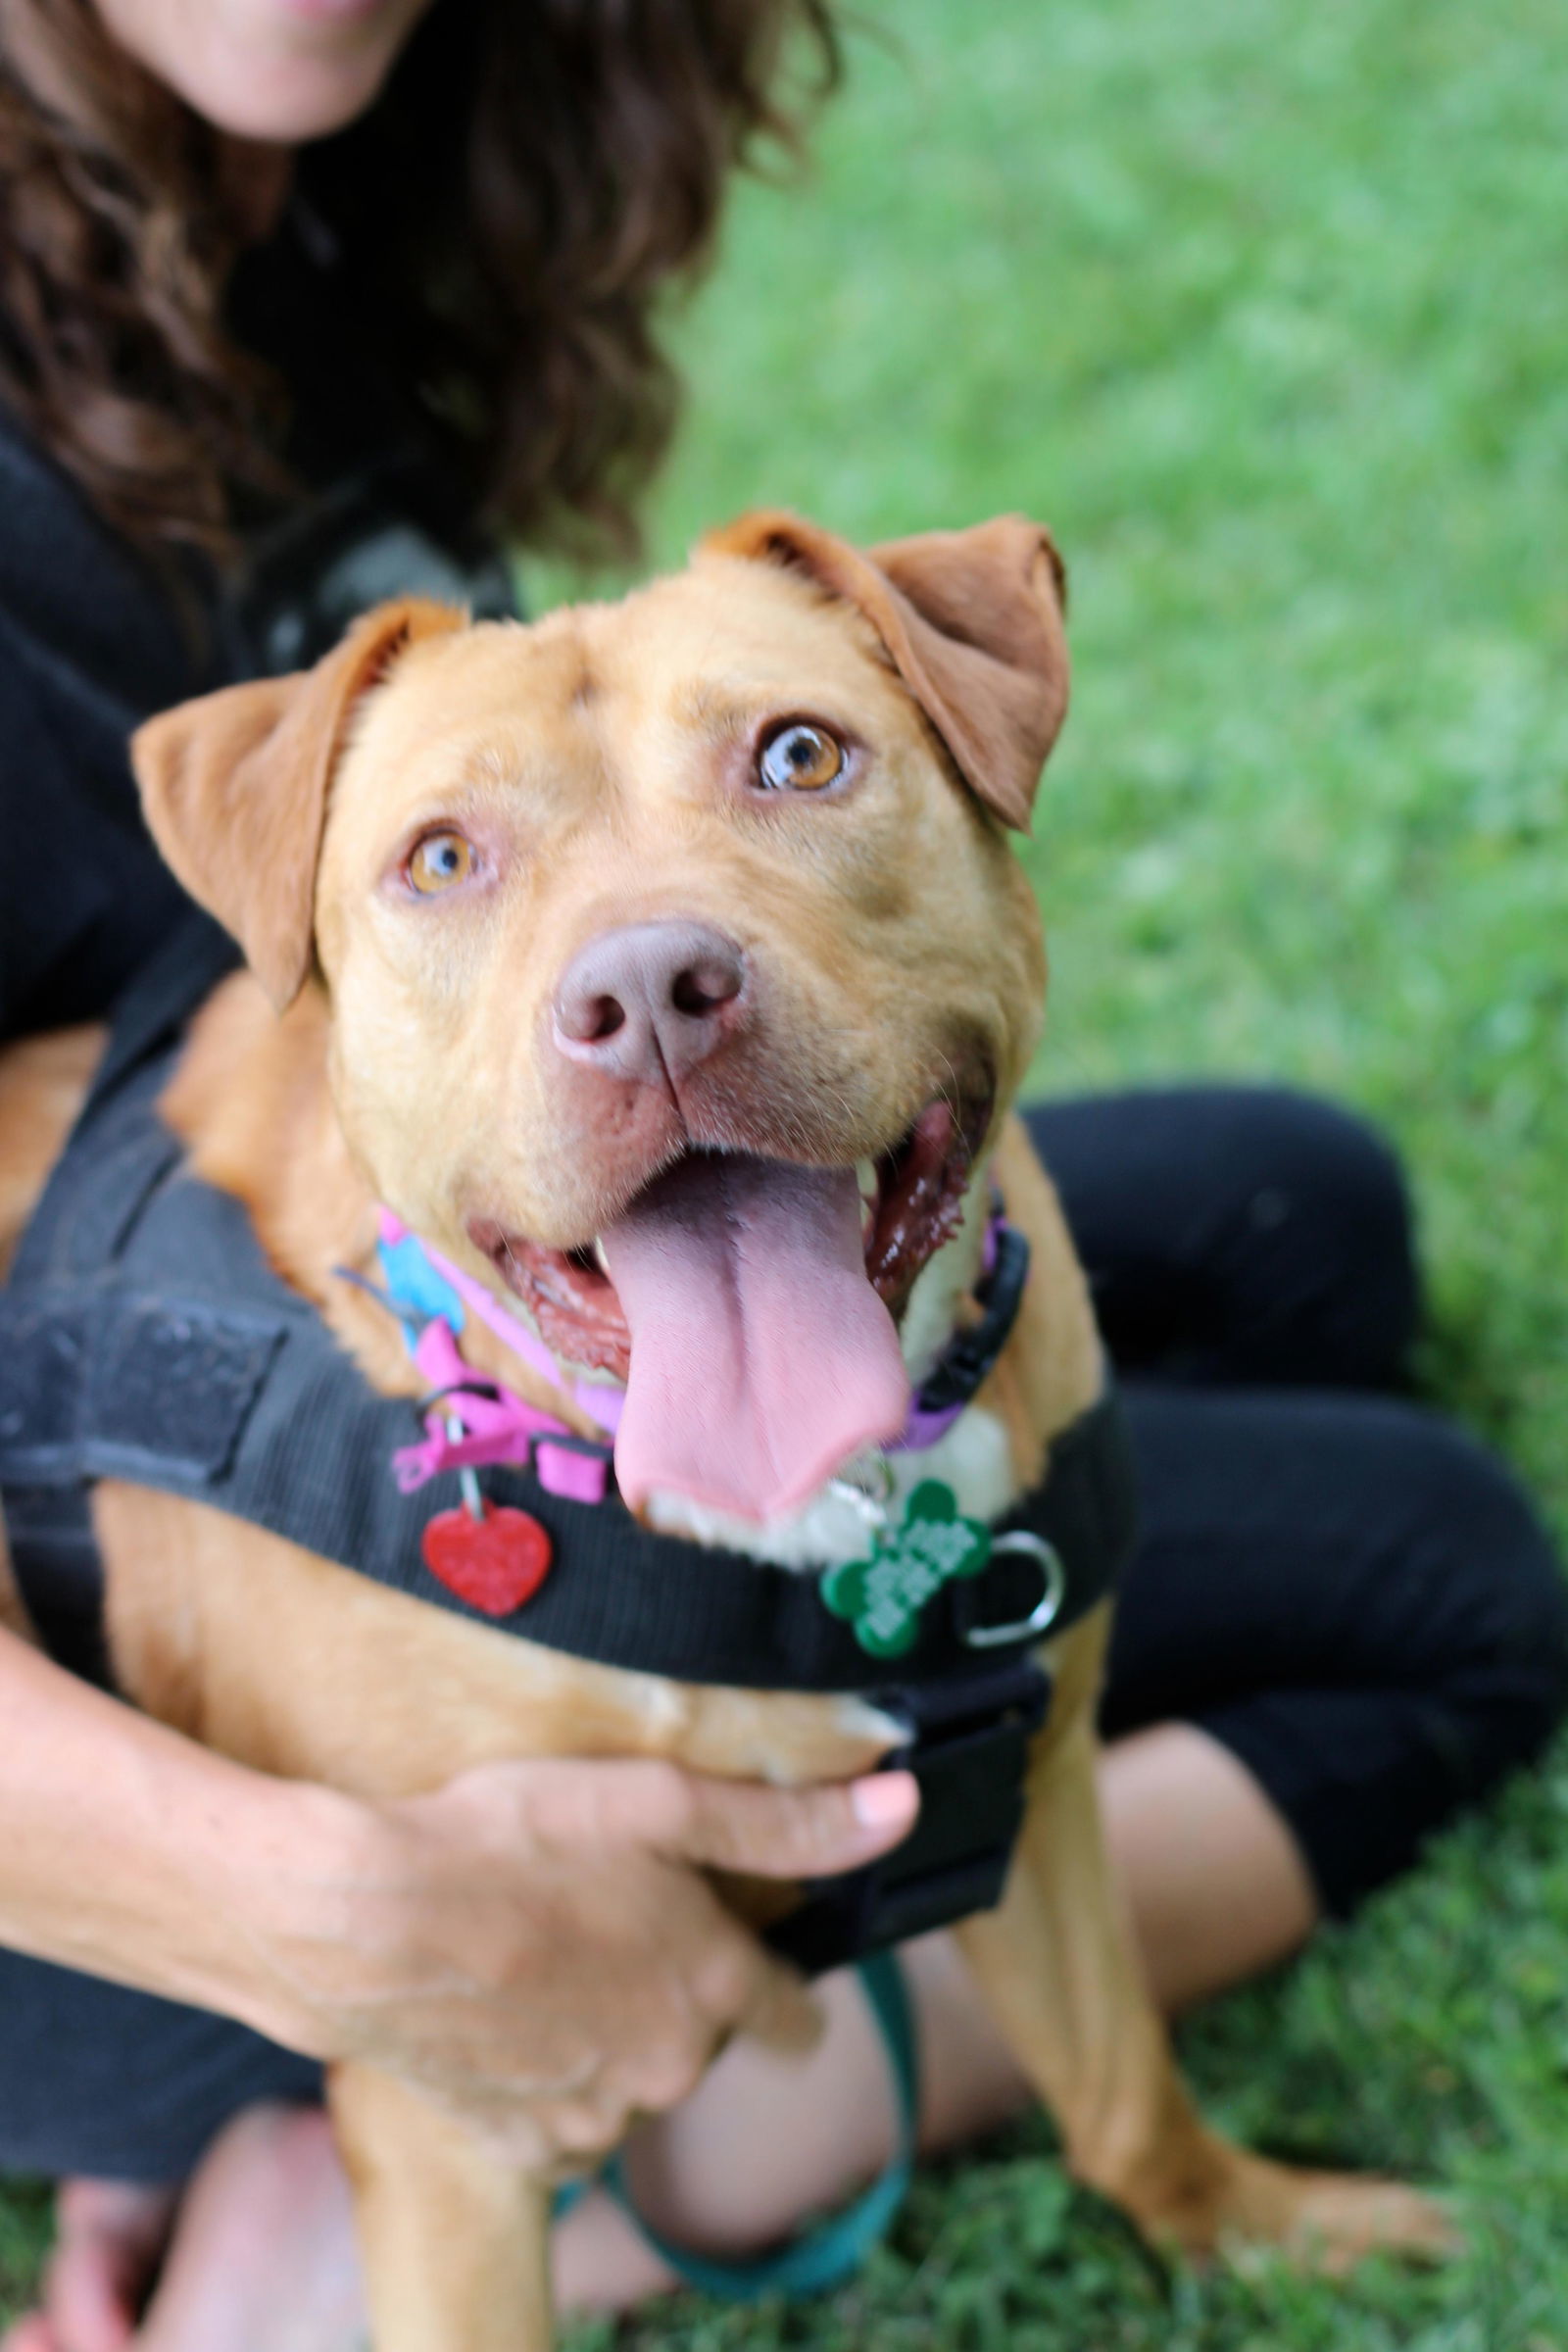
(495, 1563)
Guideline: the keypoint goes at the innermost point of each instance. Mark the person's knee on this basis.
(1329, 1164)
(1239, 1233)
(1321, 1241)
(1491, 1588)
(1462, 1629)
(1318, 1148)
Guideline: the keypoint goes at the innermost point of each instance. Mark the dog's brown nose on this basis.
(651, 1002)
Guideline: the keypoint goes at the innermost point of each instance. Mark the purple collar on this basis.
(471, 1419)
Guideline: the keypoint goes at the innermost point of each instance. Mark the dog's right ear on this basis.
(235, 786)
(971, 621)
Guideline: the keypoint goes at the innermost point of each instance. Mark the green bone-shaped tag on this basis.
(882, 1598)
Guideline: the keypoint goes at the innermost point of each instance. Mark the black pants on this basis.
(1346, 1589)
(1342, 1588)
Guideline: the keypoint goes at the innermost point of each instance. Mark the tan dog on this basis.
(574, 929)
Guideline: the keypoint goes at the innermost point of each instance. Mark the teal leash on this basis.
(831, 2251)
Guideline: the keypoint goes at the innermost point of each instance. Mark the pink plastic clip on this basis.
(577, 1477)
(467, 1428)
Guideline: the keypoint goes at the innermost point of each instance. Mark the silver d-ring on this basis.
(872, 1508)
(1046, 1609)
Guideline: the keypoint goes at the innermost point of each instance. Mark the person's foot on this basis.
(109, 2235)
(30, 2334)
(261, 2258)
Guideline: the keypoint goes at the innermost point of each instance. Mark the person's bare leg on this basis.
(262, 2257)
(109, 2238)
(30, 2334)
(1217, 1892)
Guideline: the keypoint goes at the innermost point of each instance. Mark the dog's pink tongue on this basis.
(761, 1356)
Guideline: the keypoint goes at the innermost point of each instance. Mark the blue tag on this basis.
(413, 1281)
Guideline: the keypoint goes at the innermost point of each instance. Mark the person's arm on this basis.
(536, 1944)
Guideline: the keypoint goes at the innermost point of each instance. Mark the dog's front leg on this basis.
(1056, 1967)
(455, 2242)
(1058, 1971)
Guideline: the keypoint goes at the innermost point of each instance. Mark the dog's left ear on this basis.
(973, 621)
(234, 787)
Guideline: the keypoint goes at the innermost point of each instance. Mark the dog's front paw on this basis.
(1230, 2200)
(1329, 2222)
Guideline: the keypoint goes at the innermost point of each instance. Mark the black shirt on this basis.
(92, 641)
(89, 645)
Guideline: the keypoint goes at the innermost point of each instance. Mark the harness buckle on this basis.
(968, 1747)
(1046, 1609)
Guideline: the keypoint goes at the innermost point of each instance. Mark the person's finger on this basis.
(582, 2131)
(109, 2238)
(786, 1832)
(513, 2137)
(783, 2013)
(554, 2138)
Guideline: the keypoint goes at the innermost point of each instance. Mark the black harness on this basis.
(144, 1337)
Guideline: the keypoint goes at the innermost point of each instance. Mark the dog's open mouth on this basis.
(747, 1303)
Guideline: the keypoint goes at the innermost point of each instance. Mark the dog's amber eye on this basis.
(800, 758)
(438, 862)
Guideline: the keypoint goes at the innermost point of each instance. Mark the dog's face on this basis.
(714, 807)
(630, 919)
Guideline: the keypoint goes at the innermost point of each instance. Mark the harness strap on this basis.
(144, 1335)
(257, 1414)
(968, 1747)
(54, 1559)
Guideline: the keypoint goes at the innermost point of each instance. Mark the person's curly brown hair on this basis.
(535, 176)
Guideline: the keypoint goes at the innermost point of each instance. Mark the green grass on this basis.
(1263, 309)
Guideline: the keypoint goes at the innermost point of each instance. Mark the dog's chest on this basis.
(973, 1460)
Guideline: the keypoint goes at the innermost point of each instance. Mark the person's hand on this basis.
(536, 1945)
(537, 1948)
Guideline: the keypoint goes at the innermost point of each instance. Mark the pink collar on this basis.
(473, 1419)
